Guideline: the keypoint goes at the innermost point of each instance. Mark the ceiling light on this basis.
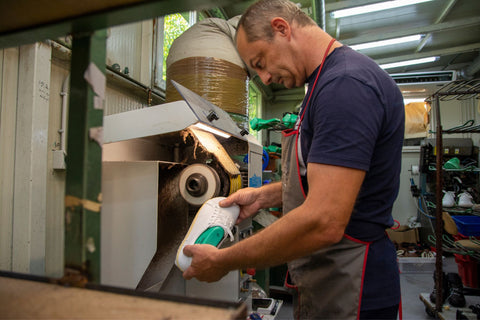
(384, 43)
(407, 62)
(414, 91)
(212, 130)
(374, 7)
(407, 101)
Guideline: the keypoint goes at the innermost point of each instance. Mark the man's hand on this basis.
(251, 200)
(205, 266)
(246, 199)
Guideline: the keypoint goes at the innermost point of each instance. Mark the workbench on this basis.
(26, 297)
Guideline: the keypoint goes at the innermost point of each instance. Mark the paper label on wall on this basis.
(96, 79)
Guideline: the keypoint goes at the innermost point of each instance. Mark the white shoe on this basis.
(448, 200)
(465, 200)
(211, 225)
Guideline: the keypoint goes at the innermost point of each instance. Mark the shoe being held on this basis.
(211, 225)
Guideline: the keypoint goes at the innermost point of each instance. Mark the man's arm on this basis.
(318, 223)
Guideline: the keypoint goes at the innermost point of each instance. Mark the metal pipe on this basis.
(439, 209)
(472, 69)
(442, 16)
(318, 8)
(63, 125)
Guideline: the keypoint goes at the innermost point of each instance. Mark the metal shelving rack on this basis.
(455, 90)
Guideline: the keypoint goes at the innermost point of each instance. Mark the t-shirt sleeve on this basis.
(347, 117)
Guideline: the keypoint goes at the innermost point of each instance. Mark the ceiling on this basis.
(450, 30)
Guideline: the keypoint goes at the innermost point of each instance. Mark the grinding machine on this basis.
(160, 164)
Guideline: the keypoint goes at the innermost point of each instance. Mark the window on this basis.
(254, 108)
(168, 28)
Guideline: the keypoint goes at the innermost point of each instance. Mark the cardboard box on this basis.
(403, 234)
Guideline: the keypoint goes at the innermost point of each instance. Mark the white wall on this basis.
(8, 113)
(31, 210)
(405, 205)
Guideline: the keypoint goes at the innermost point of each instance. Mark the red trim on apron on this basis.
(291, 132)
(303, 114)
(347, 242)
(363, 276)
(316, 78)
(298, 168)
(364, 268)
(288, 132)
(357, 240)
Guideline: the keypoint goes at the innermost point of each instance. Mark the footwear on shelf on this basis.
(448, 200)
(456, 298)
(465, 200)
(211, 225)
(445, 288)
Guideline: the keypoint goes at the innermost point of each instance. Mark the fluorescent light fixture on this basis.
(204, 127)
(407, 63)
(414, 91)
(407, 101)
(374, 7)
(388, 42)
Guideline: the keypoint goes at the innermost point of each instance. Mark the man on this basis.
(340, 173)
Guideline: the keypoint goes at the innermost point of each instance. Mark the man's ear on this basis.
(281, 26)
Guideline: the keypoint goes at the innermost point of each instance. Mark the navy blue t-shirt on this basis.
(355, 119)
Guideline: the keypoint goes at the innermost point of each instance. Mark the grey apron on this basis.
(329, 282)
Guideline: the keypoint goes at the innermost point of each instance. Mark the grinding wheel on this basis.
(198, 183)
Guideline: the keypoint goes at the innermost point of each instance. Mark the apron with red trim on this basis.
(329, 281)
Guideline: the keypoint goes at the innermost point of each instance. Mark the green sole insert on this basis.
(211, 236)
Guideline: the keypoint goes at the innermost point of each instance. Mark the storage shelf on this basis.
(456, 170)
(455, 90)
(458, 90)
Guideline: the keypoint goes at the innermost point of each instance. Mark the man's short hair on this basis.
(256, 19)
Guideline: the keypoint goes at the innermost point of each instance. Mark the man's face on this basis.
(271, 60)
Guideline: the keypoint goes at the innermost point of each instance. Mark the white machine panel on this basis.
(129, 221)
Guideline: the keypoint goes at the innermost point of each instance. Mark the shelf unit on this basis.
(455, 90)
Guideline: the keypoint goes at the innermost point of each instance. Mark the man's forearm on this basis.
(318, 222)
(271, 195)
(294, 235)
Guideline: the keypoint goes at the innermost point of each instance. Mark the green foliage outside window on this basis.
(175, 25)
(254, 104)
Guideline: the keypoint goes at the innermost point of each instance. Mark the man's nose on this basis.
(265, 76)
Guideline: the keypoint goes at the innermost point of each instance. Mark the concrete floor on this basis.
(412, 285)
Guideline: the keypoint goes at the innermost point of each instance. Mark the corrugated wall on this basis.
(129, 46)
(8, 109)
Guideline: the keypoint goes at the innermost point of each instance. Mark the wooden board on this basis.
(430, 308)
(25, 299)
(448, 312)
